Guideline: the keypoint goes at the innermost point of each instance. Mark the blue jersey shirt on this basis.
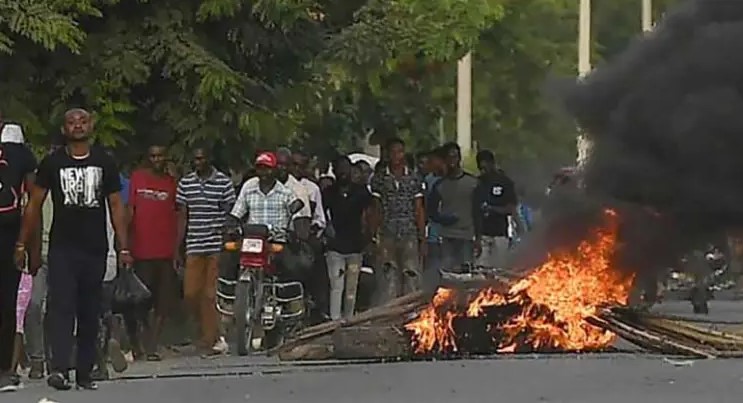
(124, 189)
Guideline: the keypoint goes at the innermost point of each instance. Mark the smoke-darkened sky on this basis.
(666, 119)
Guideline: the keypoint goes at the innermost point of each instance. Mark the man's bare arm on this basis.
(34, 243)
(376, 216)
(119, 220)
(181, 220)
(32, 215)
(420, 216)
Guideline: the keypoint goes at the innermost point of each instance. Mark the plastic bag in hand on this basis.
(129, 290)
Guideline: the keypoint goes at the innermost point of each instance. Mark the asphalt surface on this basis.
(601, 378)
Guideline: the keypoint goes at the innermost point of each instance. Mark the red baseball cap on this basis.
(267, 159)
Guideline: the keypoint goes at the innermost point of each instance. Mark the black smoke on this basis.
(665, 119)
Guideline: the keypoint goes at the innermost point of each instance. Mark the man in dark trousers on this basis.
(82, 180)
(17, 165)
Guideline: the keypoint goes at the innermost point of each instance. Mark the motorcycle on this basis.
(267, 303)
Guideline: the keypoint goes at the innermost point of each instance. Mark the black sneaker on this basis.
(100, 373)
(8, 384)
(58, 381)
(86, 384)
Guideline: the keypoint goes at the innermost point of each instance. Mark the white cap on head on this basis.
(12, 133)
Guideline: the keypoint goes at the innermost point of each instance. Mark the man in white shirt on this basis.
(301, 170)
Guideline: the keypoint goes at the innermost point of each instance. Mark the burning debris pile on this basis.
(543, 312)
(573, 302)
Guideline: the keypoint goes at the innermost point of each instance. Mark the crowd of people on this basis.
(405, 218)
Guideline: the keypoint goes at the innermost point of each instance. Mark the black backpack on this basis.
(10, 197)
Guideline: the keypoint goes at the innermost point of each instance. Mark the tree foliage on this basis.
(323, 73)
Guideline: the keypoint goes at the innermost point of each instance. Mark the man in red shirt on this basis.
(152, 211)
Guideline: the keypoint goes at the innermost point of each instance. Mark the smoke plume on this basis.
(666, 123)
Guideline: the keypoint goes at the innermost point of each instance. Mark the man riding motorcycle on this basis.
(301, 221)
(267, 201)
(269, 204)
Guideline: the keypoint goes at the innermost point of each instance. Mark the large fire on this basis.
(544, 311)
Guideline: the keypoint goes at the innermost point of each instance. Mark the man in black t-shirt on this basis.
(17, 165)
(82, 181)
(346, 204)
(495, 200)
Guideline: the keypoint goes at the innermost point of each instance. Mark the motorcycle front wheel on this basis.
(244, 312)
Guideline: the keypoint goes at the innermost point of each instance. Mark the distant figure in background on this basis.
(366, 170)
(526, 214)
(400, 210)
(436, 171)
(35, 324)
(495, 201)
(17, 165)
(325, 182)
(421, 164)
(346, 205)
(357, 176)
(452, 206)
(300, 169)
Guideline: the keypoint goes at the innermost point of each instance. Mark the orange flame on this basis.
(553, 302)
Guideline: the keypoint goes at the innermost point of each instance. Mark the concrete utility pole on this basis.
(647, 15)
(584, 38)
(584, 66)
(464, 103)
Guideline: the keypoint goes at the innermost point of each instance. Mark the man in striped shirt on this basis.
(204, 197)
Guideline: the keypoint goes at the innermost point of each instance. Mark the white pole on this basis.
(584, 38)
(584, 66)
(464, 104)
(647, 15)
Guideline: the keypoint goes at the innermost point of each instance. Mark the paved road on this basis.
(574, 379)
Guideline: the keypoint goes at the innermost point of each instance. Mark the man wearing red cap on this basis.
(282, 166)
(265, 201)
